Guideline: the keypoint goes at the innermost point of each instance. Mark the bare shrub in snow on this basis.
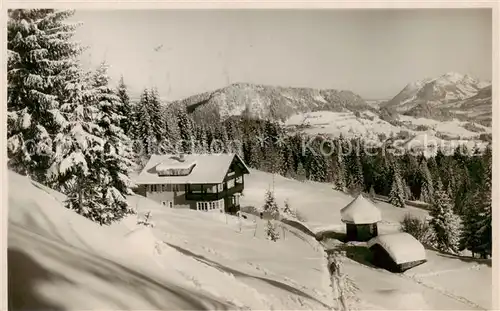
(344, 288)
(146, 221)
(250, 210)
(418, 228)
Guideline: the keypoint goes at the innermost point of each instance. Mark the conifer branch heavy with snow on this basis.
(477, 219)
(446, 225)
(41, 61)
(397, 194)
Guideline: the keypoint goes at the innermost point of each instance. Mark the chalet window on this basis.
(220, 187)
(202, 206)
(230, 183)
(154, 188)
(196, 188)
(164, 188)
(210, 206)
(239, 180)
(211, 188)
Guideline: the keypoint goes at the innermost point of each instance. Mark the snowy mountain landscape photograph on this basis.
(244, 159)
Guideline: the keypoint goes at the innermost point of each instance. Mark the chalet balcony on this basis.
(207, 196)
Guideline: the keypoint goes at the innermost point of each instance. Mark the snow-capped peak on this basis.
(449, 87)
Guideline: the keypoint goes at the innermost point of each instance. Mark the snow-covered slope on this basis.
(189, 261)
(59, 260)
(444, 282)
(194, 260)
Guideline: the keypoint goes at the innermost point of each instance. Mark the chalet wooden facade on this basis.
(205, 182)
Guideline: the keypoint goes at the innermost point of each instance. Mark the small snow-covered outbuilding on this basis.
(397, 252)
(361, 218)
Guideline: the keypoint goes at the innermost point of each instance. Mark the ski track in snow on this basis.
(249, 297)
(444, 291)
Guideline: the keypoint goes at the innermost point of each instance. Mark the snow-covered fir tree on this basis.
(155, 114)
(125, 108)
(371, 193)
(427, 182)
(117, 158)
(172, 132)
(301, 172)
(79, 148)
(339, 179)
(445, 224)
(270, 205)
(41, 61)
(397, 194)
(145, 132)
(477, 219)
(201, 145)
(272, 231)
(185, 125)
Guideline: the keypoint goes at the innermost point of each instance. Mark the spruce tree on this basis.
(272, 231)
(145, 130)
(372, 193)
(270, 205)
(427, 182)
(397, 194)
(117, 158)
(125, 108)
(155, 114)
(446, 225)
(172, 132)
(301, 172)
(41, 62)
(77, 169)
(477, 219)
(185, 125)
(339, 168)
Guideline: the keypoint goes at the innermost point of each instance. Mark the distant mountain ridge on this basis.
(272, 102)
(449, 95)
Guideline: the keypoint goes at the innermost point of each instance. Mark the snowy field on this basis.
(194, 260)
(369, 126)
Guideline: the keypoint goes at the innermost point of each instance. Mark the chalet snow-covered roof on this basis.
(401, 246)
(208, 169)
(360, 211)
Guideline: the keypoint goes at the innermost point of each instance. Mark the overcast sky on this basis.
(374, 53)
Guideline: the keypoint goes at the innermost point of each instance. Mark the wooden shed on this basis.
(361, 218)
(397, 252)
